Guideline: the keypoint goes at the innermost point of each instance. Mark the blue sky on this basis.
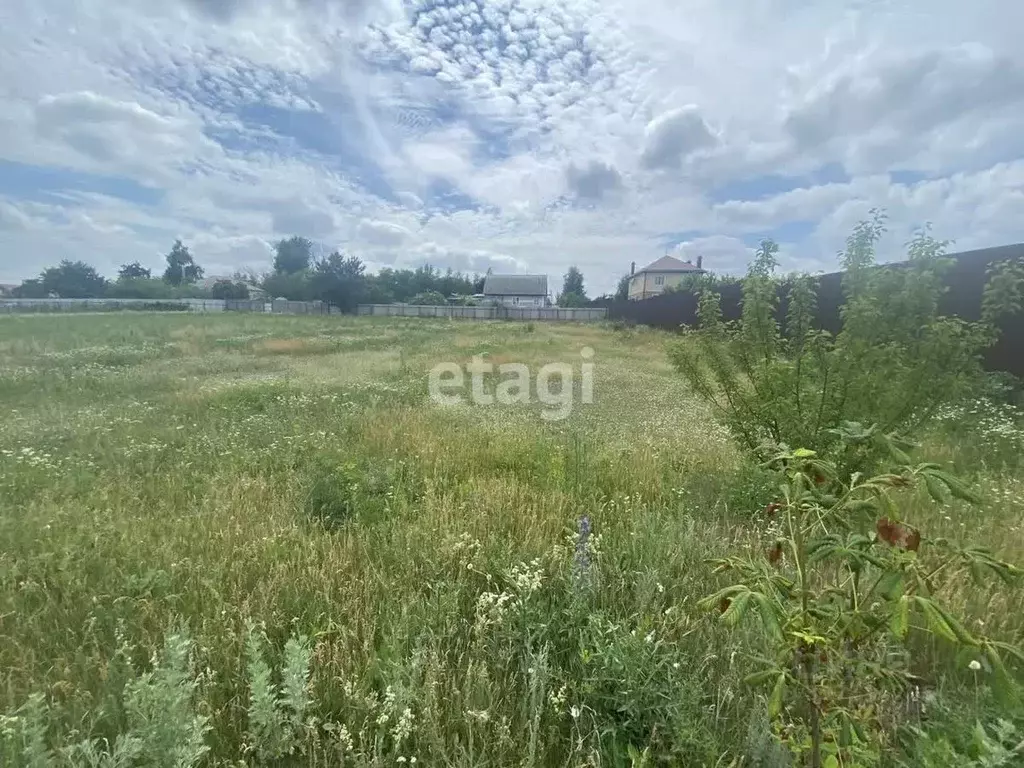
(518, 135)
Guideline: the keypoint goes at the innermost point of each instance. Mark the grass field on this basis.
(234, 477)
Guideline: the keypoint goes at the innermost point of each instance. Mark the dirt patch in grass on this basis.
(284, 346)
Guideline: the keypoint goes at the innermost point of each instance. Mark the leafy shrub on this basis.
(840, 587)
(893, 364)
(277, 712)
(164, 730)
(341, 491)
(429, 298)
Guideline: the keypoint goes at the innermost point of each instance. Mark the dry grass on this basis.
(171, 462)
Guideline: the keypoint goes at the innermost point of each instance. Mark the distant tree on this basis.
(140, 288)
(573, 282)
(133, 271)
(571, 299)
(73, 280)
(478, 283)
(339, 280)
(181, 269)
(292, 255)
(30, 289)
(622, 291)
(225, 289)
(297, 286)
(403, 285)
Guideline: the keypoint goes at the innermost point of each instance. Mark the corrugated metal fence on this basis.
(579, 314)
(281, 307)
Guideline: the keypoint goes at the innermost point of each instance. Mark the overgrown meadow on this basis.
(243, 539)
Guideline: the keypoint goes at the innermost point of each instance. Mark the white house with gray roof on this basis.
(516, 290)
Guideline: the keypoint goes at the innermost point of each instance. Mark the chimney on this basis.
(632, 267)
(700, 262)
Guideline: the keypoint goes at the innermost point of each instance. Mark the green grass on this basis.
(164, 471)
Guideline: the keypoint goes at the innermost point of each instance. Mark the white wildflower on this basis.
(403, 727)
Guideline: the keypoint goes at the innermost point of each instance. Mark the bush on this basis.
(893, 364)
(429, 298)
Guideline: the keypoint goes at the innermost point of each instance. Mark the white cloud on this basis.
(594, 180)
(524, 134)
(674, 135)
(382, 233)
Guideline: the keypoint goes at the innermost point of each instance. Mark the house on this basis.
(7, 289)
(516, 290)
(666, 272)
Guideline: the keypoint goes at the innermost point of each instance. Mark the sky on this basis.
(517, 135)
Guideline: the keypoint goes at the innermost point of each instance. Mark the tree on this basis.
(297, 286)
(181, 269)
(572, 300)
(73, 280)
(225, 289)
(140, 288)
(292, 255)
(339, 280)
(133, 271)
(622, 291)
(895, 362)
(573, 282)
(30, 289)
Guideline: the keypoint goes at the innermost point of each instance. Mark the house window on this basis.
(659, 280)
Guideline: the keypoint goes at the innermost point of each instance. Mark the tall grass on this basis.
(254, 537)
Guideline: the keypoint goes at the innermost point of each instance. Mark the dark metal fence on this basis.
(965, 280)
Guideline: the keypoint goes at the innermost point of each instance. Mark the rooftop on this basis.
(669, 264)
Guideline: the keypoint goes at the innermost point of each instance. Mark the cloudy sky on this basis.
(523, 135)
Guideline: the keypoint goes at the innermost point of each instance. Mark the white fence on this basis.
(278, 306)
(11, 306)
(578, 314)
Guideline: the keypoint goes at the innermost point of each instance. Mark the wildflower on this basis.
(558, 699)
(574, 712)
(975, 665)
(403, 727)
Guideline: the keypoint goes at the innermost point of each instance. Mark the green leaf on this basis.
(775, 700)
(934, 619)
(962, 635)
(804, 453)
(890, 585)
(1002, 683)
(830, 762)
(759, 678)
(937, 490)
(956, 487)
(737, 608)
(899, 621)
(769, 616)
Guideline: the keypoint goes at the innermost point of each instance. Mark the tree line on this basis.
(297, 274)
